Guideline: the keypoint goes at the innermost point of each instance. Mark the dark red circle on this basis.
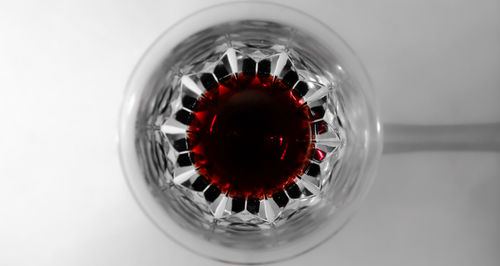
(250, 136)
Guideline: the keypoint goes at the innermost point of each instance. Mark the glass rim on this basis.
(144, 69)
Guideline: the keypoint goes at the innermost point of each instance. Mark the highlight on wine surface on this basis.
(249, 138)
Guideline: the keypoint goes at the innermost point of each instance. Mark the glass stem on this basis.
(399, 138)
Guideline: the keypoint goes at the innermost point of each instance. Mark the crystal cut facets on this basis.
(248, 66)
(221, 207)
(221, 72)
(271, 210)
(313, 170)
(200, 183)
(183, 174)
(189, 102)
(264, 68)
(191, 84)
(300, 89)
(282, 65)
(181, 145)
(277, 71)
(319, 155)
(211, 193)
(208, 81)
(280, 198)
(290, 78)
(293, 190)
(317, 112)
(238, 205)
(253, 205)
(309, 185)
(183, 116)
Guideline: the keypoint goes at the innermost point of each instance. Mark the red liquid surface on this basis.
(250, 136)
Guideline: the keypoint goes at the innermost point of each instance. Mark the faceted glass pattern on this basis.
(172, 158)
(292, 162)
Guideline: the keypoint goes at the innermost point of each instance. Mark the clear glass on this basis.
(225, 36)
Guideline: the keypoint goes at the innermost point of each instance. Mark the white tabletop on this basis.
(63, 69)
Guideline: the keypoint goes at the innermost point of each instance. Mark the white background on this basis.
(63, 69)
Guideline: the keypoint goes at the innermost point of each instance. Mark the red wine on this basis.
(250, 135)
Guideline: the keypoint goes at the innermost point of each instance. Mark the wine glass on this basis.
(249, 132)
